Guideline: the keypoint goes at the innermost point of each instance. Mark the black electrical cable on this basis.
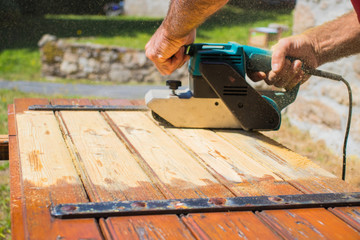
(332, 76)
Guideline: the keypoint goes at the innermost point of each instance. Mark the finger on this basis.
(256, 76)
(295, 81)
(170, 65)
(293, 76)
(177, 59)
(279, 54)
(279, 77)
(186, 58)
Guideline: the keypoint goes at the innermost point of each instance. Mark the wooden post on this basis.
(4, 147)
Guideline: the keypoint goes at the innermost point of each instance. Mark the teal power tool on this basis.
(218, 94)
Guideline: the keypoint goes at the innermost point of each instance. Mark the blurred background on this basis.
(95, 49)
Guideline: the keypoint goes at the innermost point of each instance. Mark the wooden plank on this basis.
(48, 178)
(22, 104)
(148, 227)
(350, 215)
(4, 147)
(112, 173)
(235, 169)
(172, 164)
(132, 135)
(16, 195)
(294, 168)
(11, 120)
(308, 224)
(17, 198)
(234, 225)
(139, 227)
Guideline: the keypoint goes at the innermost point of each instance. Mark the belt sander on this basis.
(218, 94)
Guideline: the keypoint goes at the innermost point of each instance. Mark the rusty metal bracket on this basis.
(199, 205)
(86, 108)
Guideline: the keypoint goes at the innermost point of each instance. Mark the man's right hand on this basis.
(284, 73)
(168, 54)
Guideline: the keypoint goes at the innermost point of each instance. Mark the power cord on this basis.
(332, 76)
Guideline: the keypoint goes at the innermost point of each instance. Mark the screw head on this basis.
(173, 84)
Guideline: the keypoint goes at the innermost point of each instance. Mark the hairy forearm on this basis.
(336, 39)
(185, 15)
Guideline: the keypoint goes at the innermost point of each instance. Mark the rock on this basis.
(119, 74)
(70, 57)
(45, 39)
(153, 77)
(68, 67)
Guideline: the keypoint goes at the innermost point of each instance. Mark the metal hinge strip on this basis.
(86, 108)
(199, 205)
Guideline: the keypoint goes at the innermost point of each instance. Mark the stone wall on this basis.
(322, 105)
(100, 63)
(150, 8)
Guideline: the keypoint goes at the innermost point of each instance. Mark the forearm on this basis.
(185, 15)
(336, 39)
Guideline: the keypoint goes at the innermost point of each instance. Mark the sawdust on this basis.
(317, 151)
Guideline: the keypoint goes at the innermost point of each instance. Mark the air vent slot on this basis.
(236, 59)
(235, 91)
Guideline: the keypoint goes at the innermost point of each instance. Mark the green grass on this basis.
(5, 221)
(20, 58)
(20, 63)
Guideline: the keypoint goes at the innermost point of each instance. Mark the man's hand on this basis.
(285, 73)
(168, 54)
(165, 48)
(316, 46)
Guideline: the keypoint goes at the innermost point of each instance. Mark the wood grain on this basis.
(148, 227)
(171, 163)
(16, 194)
(234, 168)
(127, 156)
(308, 224)
(350, 215)
(234, 225)
(112, 173)
(299, 171)
(48, 178)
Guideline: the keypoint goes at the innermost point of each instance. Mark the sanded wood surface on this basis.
(81, 156)
(48, 177)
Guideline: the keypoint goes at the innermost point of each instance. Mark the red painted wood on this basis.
(308, 224)
(231, 225)
(30, 204)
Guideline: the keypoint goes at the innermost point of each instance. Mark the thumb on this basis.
(278, 57)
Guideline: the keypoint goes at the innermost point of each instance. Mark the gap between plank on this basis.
(140, 160)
